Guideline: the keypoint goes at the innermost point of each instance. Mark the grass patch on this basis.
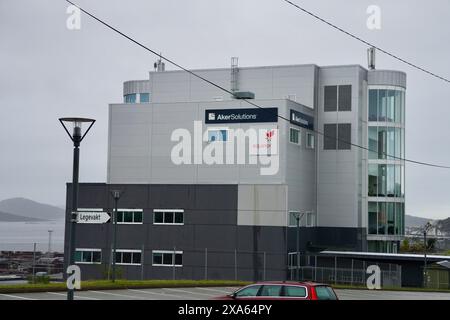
(343, 286)
(120, 284)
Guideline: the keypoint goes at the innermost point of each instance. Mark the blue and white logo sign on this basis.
(302, 120)
(241, 115)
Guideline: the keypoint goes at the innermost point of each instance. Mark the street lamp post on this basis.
(116, 195)
(298, 216)
(76, 136)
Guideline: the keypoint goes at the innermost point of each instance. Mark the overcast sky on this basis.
(48, 71)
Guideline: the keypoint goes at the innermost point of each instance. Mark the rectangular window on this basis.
(373, 216)
(168, 216)
(344, 136)
(310, 219)
(373, 142)
(294, 136)
(310, 140)
(167, 258)
(145, 97)
(330, 134)
(330, 101)
(129, 216)
(130, 98)
(88, 256)
(373, 180)
(128, 257)
(345, 98)
(217, 135)
(373, 105)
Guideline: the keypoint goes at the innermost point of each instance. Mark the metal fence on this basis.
(334, 270)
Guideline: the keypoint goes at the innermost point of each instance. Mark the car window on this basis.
(325, 293)
(248, 291)
(270, 291)
(292, 291)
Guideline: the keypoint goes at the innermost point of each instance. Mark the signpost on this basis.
(92, 217)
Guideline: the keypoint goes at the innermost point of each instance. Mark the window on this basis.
(373, 105)
(310, 219)
(270, 291)
(130, 98)
(88, 256)
(343, 133)
(330, 101)
(167, 258)
(373, 212)
(373, 143)
(145, 97)
(338, 98)
(168, 216)
(292, 291)
(294, 136)
(250, 291)
(310, 141)
(217, 135)
(329, 139)
(129, 216)
(344, 136)
(132, 257)
(345, 98)
(373, 180)
(325, 293)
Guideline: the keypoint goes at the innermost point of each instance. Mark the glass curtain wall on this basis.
(386, 170)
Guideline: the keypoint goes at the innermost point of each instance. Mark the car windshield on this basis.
(325, 293)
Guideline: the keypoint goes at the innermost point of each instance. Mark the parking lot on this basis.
(209, 293)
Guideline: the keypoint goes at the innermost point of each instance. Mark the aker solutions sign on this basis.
(302, 120)
(241, 115)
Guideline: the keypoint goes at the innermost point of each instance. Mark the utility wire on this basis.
(366, 42)
(246, 100)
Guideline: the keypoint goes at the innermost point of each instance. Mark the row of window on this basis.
(160, 216)
(386, 180)
(295, 137)
(386, 218)
(130, 257)
(387, 105)
(338, 98)
(386, 142)
(132, 98)
(307, 219)
(337, 136)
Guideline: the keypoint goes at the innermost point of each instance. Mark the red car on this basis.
(280, 290)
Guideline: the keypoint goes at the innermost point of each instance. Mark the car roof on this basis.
(297, 283)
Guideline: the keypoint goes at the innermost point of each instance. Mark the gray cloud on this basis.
(47, 71)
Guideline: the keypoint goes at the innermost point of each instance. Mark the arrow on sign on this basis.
(93, 217)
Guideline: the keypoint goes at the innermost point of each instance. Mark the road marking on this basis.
(15, 297)
(159, 294)
(117, 295)
(187, 291)
(213, 290)
(76, 296)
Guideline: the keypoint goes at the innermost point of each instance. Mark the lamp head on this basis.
(77, 134)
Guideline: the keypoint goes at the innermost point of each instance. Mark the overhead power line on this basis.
(155, 52)
(366, 42)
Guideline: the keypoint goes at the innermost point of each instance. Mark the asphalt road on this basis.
(208, 293)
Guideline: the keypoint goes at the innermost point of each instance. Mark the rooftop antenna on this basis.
(371, 58)
(234, 74)
(159, 66)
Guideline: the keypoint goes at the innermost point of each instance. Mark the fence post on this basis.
(34, 261)
(142, 262)
(264, 269)
(351, 277)
(315, 268)
(206, 263)
(235, 265)
(335, 269)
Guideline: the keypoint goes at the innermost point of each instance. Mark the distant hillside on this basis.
(7, 217)
(412, 221)
(31, 209)
(444, 225)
